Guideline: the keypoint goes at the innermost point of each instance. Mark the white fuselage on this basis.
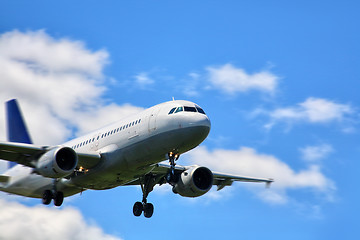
(129, 149)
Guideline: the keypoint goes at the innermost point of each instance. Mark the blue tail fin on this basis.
(16, 128)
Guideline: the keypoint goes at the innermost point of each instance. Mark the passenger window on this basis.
(172, 111)
(179, 109)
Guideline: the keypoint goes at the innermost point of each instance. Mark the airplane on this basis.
(130, 151)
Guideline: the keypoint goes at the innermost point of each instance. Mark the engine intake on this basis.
(57, 163)
(194, 182)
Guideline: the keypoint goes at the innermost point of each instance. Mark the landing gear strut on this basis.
(147, 185)
(49, 195)
(170, 176)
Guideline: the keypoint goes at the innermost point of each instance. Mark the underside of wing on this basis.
(222, 180)
(22, 153)
(29, 154)
(88, 160)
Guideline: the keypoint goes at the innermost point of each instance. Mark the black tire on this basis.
(58, 199)
(148, 210)
(138, 209)
(47, 197)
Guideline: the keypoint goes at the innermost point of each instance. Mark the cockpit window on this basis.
(189, 109)
(179, 109)
(200, 110)
(172, 110)
(186, 109)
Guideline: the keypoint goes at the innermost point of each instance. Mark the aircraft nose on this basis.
(202, 122)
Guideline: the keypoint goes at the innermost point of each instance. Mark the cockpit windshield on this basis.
(187, 109)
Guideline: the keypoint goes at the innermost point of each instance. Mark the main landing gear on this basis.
(148, 183)
(53, 194)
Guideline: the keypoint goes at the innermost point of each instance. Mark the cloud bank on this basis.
(57, 81)
(21, 222)
(247, 161)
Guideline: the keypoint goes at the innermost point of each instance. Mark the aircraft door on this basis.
(152, 119)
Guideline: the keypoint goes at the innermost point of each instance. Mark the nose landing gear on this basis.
(170, 176)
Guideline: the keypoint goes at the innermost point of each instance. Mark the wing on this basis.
(221, 180)
(29, 154)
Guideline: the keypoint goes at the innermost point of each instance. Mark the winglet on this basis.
(16, 128)
(268, 183)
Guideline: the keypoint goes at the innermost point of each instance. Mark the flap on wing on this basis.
(88, 160)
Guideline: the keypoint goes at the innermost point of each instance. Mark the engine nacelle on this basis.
(57, 163)
(194, 182)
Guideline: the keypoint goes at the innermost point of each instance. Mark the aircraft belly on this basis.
(130, 162)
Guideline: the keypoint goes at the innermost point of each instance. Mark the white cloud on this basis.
(247, 162)
(316, 153)
(59, 83)
(190, 87)
(233, 80)
(313, 110)
(21, 222)
(143, 80)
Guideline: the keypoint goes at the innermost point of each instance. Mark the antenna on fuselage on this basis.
(173, 98)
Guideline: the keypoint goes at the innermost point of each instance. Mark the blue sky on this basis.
(278, 79)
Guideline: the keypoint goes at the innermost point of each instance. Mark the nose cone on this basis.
(203, 121)
(201, 124)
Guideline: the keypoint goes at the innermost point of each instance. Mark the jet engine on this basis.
(194, 182)
(57, 163)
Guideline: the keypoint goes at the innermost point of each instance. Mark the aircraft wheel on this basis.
(138, 209)
(47, 196)
(148, 210)
(58, 199)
